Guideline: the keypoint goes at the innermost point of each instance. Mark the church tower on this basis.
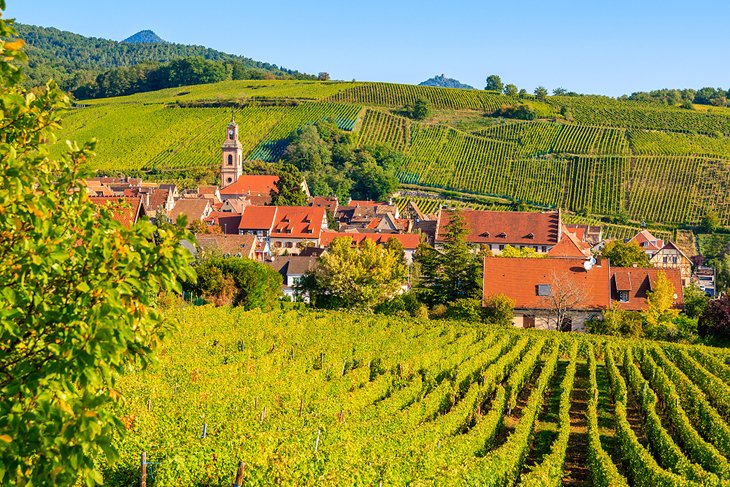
(232, 161)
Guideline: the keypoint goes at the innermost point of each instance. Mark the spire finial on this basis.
(232, 118)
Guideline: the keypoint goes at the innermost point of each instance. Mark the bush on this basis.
(438, 312)
(465, 309)
(237, 281)
(499, 310)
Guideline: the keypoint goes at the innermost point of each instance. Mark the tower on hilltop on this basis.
(232, 161)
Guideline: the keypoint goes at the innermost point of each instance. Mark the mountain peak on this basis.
(144, 37)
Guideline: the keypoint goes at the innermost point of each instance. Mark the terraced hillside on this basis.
(586, 154)
(305, 398)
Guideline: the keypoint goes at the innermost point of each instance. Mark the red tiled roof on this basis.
(158, 198)
(194, 209)
(284, 221)
(637, 281)
(570, 246)
(227, 221)
(329, 203)
(519, 279)
(505, 227)
(227, 244)
(257, 218)
(647, 241)
(126, 210)
(254, 184)
(409, 240)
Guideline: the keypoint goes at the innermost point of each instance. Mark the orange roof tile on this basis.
(284, 221)
(570, 246)
(519, 279)
(126, 210)
(252, 184)
(409, 240)
(505, 227)
(638, 281)
(228, 244)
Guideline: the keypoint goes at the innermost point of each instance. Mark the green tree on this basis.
(289, 187)
(454, 272)
(78, 301)
(354, 277)
(625, 254)
(420, 110)
(695, 301)
(541, 93)
(560, 91)
(494, 83)
(510, 90)
(372, 182)
(323, 76)
(710, 221)
(525, 252)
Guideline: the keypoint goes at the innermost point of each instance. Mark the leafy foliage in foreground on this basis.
(78, 297)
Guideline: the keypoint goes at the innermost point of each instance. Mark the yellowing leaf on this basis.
(6, 438)
(15, 45)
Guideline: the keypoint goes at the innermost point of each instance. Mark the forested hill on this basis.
(73, 60)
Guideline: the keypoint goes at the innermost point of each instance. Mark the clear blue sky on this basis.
(607, 47)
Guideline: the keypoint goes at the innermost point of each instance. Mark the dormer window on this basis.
(501, 235)
(623, 296)
(484, 234)
(543, 290)
(530, 235)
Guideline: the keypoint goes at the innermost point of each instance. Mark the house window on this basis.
(501, 247)
(277, 244)
(544, 249)
(543, 289)
(230, 160)
(665, 260)
(289, 245)
(230, 180)
(623, 296)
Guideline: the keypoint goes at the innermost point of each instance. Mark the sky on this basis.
(603, 47)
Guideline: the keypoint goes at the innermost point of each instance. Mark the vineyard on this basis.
(308, 398)
(650, 163)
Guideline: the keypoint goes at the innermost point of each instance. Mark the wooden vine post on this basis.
(143, 471)
(239, 474)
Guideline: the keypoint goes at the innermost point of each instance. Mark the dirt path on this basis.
(576, 458)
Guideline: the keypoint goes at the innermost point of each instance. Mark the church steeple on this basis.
(232, 161)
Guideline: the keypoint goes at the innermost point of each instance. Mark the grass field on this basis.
(329, 398)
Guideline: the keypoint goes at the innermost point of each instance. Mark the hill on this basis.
(443, 82)
(604, 157)
(340, 398)
(72, 59)
(143, 37)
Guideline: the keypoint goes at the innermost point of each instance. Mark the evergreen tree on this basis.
(453, 273)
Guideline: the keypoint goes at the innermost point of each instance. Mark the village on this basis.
(238, 220)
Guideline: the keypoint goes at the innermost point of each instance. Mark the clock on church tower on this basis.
(232, 160)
